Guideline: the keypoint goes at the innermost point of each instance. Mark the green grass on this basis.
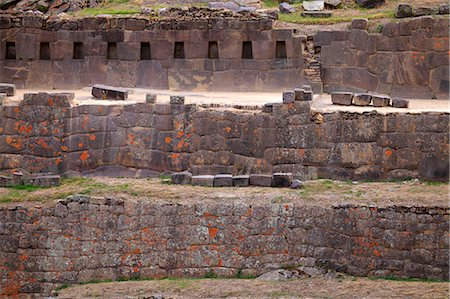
(406, 279)
(108, 11)
(298, 19)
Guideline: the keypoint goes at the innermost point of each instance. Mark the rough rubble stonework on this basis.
(83, 239)
(44, 134)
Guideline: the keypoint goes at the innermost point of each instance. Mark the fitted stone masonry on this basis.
(46, 134)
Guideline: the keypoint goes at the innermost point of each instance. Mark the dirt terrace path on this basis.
(324, 193)
(243, 288)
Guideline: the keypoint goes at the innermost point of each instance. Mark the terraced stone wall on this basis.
(408, 58)
(203, 55)
(82, 239)
(45, 134)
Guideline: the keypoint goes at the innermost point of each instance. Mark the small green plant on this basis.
(407, 279)
(210, 274)
(241, 275)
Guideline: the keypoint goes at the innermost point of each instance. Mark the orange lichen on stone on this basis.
(213, 232)
(131, 139)
(227, 129)
(92, 137)
(388, 153)
(180, 134)
(84, 156)
(9, 139)
(80, 144)
(168, 140)
(376, 252)
(58, 161)
(64, 148)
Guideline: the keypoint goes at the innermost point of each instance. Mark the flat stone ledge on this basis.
(105, 92)
(8, 89)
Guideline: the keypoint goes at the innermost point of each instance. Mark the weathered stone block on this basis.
(203, 180)
(105, 92)
(359, 23)
(241, 180)
(2, 98)
(8, 89)
(296, 184)
(361, 99)
(223, 180)
(425, 10)
(342, 98)
(264, 180)
(182, 178)
(307, 87)
(282, 179)
(381, 101)
(267, 108)
(444, 9)
(404, 11)
(150, 98)
(288, 97)
(400, 103)
(177, 100)
(303, 95)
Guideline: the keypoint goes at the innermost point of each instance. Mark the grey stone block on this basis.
(444, 9)
(381, 101)
(303, 95)
(150, 98)
(9, 89)
(264, 180)
(342, 98)
(6, 181)
(241, 180)
(307, 87)
(281, 179)
(176, 100)
(288, 97)
(296, 184)
(400, 103)
(223, 180)
(203, 180)
(361, 99)
(267, 108)
(182, 178)
(404, 11)
(46, 180)
(105, 92)
(317, 14)
(425, 11)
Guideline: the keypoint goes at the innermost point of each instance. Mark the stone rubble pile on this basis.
(365, 99)
(281, 180)
(407, 10)
(47, 6)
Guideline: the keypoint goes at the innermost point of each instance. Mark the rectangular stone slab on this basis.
(105, 92)
(203, 180)
(223, 180)
(342, 98)
(181, 178)
(9, 89)
(263, 180)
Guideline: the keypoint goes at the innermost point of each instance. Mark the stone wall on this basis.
(408, 58)
(45, 134)
(83, 239)
(70, 54)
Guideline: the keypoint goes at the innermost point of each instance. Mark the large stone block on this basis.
(342, 98)
(203, 180)
(361, 99)
(223, 180)
(61, 50)
(241, 180)
(182, 178)
(264, 180)
(359, 78)
(282, 179)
